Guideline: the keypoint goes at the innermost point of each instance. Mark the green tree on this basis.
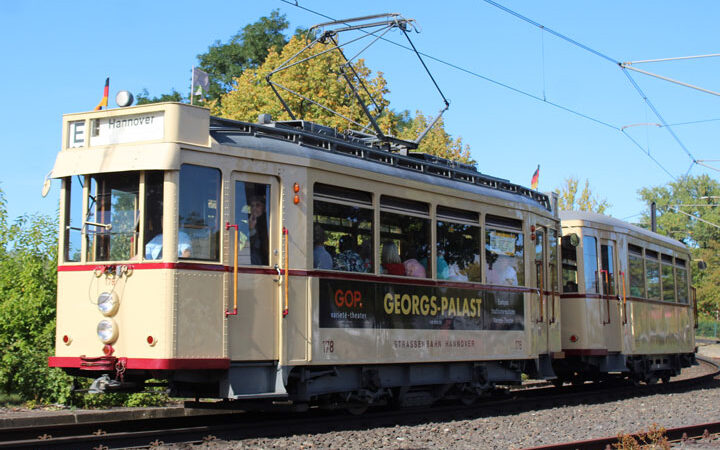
(143, 97)
(224, 62)
(248, 49)
(689, 210)
(586, 201)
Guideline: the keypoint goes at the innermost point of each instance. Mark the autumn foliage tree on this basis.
(321, 80)
(570, 200)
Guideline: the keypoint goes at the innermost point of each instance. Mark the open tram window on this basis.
(681, 281)
(504, 251)
(252, 214)
(199, 213)
(405, 237)
(112, 220)
(637, 271)
(458, 245)
(569, 263)
(652, 274)
(607, 276)
(342, 229)
(668, 278)
(73, 218)
(153, 214)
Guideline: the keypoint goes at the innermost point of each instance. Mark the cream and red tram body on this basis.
(286, 260)
(627, 304)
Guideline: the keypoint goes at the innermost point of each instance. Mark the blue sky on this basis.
(57, 55)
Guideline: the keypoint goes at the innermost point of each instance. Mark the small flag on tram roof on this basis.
(104, 101)
(535, 177)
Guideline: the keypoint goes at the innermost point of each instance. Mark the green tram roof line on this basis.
(365, 147)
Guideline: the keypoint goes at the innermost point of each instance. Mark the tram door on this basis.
(540, 310)
(611, 300)
(252, 332)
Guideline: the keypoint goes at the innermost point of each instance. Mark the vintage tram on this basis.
(286, 260)
(627, 304)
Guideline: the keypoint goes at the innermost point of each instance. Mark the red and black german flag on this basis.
(535, 178)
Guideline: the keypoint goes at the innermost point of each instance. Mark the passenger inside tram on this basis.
(153, 249)
(258, 230)
(348, 259)
(321, 257)
(391, 262)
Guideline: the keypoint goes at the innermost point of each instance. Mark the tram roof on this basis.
(354, 149)
(586, 216)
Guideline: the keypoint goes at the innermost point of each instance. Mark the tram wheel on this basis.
(468, 399)
(651, 380)
(665, 379)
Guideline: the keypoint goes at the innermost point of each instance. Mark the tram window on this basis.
(113, 217)
(569, 265)
(504, 252)
(153, 214)
(552, 246)
(458, 245)
(590, 261)
(252, 214)
(652, 274)
(345, 234)
(681, 281)
(73, 218)
(668, 279)
(199, 214)
(608, 266)
(539, 269)
(405, 248)
(637, 271)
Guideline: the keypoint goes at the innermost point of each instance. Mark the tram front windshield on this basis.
(108, 220)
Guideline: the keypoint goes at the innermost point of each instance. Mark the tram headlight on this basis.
(107, 303)
(107, 331)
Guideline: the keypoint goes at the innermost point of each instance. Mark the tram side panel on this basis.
(660, 328)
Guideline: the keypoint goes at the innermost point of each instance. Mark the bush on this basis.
(28, 281)
(708, 328)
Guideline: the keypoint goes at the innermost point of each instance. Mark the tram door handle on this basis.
(279, 278)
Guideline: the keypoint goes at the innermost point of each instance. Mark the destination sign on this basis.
(126, 129)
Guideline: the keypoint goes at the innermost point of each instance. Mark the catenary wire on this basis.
(528, 94)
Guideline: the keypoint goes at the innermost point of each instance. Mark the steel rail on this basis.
(234, 426)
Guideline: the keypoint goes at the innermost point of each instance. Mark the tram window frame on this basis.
(552, 259)
(681, 267)
(607, 263)
(73, 220)
(652, 275)
(253, 225)
(636, 280)
(412, 249)
(569, 261)
(590, 277)
(504, 225)
(666, 262)
(110, 239)
(453, 229)
(343, 231)
(153, 211)
(204, 248)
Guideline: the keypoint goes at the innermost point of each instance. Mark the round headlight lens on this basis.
(107, 303)
(107, 331)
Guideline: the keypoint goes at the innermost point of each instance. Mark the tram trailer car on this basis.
(287, 261)
(627, 304)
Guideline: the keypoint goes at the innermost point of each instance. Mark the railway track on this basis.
(236, 426)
